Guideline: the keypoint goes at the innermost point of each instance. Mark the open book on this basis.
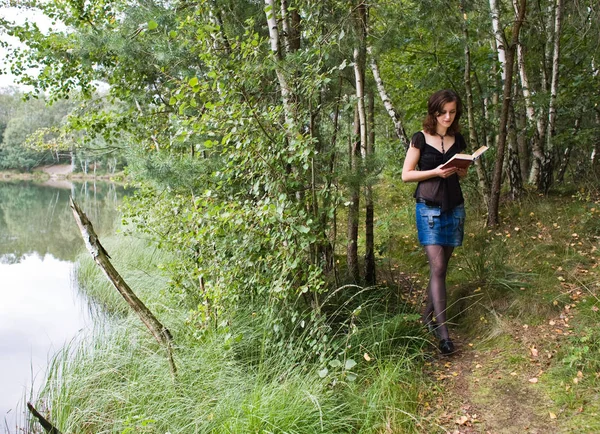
(464, 160)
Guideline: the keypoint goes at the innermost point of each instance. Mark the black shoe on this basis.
(432, 328)
(446, 347)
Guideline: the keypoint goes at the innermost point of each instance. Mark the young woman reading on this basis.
(440, 212)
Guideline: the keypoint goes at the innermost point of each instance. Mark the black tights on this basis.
(438, 257)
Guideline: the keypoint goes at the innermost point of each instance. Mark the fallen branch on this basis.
(48, 427)
(101, 257)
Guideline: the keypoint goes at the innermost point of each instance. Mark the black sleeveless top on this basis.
(443, 192)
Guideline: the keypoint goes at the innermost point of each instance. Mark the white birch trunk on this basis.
(273, 29)
(554, 82)
(286, 93)
(387, 101)
(360, 97)
(499, 37)
(285, 24)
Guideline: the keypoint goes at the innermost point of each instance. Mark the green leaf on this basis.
(323, 372)
(152, 25)
(193, 81)
(335, 363)
(349, 364)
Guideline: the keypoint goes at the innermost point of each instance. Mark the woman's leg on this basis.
(438, 257)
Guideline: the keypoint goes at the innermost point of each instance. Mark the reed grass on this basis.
(115, 378)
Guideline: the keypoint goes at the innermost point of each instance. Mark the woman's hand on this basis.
(462, 172)
(445, 173)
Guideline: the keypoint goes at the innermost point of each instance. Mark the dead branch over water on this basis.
(101, 257)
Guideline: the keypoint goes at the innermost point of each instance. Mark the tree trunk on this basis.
(595, 157)
(45, 423)
(329, 246)
(354, 206)
(285, 25)
(359, 145)
(473, 139)
(537, 148)
(506, 99)
(484, 113)
(548, 167)
(513, 166)
(567, 152)
(370, 271)
(218, 18)
(290, 23)
(498, 38)
(387, 101)
(295, 30)
(286, 91)
(498, 47)
(523, 149)
(160, 332)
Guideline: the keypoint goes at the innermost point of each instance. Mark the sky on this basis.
(18, 16)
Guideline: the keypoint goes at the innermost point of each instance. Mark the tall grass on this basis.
(115, 378)
(135, 258)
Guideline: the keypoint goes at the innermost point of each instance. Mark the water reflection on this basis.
(37, 218)
(40, 308)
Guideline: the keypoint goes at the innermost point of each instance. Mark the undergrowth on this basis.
(116, 379)
(539, 264)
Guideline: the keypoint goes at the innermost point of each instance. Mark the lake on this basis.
(41, 308)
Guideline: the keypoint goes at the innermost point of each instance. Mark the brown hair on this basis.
(434, 107)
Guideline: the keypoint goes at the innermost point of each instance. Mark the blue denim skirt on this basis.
(440, 228)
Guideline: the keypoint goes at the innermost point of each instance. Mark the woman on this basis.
(440, 212)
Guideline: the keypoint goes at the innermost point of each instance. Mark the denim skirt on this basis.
(440, 228)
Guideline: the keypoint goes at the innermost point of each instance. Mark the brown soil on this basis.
(482, 395)
(503, 390)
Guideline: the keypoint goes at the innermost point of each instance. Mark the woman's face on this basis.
(447, 114)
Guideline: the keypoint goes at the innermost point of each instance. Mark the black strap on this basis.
(427, 202)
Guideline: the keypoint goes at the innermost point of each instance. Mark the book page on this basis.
(480, 151)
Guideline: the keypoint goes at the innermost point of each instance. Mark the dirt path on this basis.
(482, 396)
(490, 390)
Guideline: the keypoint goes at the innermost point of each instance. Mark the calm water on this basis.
(40, 306)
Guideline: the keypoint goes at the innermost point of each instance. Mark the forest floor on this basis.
(523, 372)
(495, 390)
(524, 308)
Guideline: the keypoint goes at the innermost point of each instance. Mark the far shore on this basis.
(58, 175)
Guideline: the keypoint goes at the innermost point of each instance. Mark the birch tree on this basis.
(473, 138)
(276, 50)
(359, 145)
(548, 164)
(387, 101)
(506, 100)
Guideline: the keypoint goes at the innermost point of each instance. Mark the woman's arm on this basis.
(411, 174)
